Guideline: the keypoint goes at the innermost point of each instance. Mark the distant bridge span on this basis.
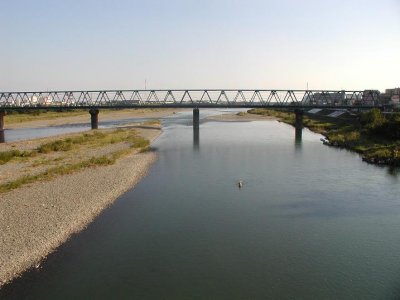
(195, 98)
(297, 100)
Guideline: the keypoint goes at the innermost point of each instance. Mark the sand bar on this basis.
(240, 117)
(36, 218)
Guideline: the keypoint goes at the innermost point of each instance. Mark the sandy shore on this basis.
(240, 117)
(36, 218)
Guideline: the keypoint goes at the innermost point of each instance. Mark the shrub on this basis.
(374, 122)
(372, 119)
(59, 145)
(6, 156)
(140, 142)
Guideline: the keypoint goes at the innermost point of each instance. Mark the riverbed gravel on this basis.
(35, 219)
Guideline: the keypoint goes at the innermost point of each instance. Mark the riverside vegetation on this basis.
(374, 135)
(69, 154)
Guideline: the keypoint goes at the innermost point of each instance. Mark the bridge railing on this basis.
(196, 97)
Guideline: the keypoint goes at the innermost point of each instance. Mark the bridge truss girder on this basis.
(188, 98)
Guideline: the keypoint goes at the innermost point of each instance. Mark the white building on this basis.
(45, 100)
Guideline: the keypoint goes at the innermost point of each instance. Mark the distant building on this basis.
(329, 98)
(45, 100)
(395, 100)
(34, 100)
(392, 92)
(370, 97)
(391, 96)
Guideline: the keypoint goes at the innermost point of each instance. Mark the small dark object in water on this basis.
(240, 184)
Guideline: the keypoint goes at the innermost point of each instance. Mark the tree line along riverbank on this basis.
(372, 134)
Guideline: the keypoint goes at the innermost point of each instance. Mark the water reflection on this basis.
(196, 138)
(394, 171)
(2, 138)
(298, 138)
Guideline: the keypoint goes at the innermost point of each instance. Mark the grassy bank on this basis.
(67, 155)
(375, 136)
(13, 117)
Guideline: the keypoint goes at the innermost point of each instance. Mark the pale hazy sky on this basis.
(101, 44)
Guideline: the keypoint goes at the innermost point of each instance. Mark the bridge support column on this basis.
(196, 118)
(299, 118)
(2, 114)
(94, 118)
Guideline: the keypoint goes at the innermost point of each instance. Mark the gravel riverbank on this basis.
(36, 218)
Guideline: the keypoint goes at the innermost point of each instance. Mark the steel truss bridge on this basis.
(195, 98)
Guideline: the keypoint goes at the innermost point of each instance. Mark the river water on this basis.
(310, 222)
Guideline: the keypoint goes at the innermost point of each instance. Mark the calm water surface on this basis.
(311, 222)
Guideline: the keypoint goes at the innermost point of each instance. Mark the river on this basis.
(310, 222)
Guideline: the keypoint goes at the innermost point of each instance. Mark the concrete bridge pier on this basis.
(299, 118)
(299, 125)
(196, 118)
(2, 114)
(196, 128)
(94, 118)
